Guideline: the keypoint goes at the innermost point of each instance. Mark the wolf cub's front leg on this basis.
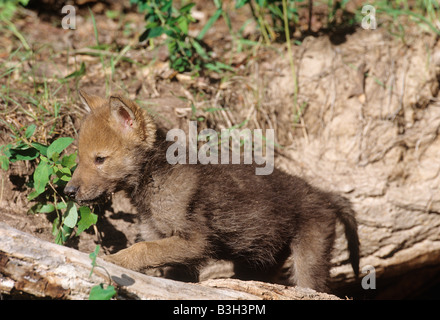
(151, 254)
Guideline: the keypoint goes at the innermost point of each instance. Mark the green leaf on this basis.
(66, 178)
(187, 8)
(61, 205)
(71, 215)
(30, 131)
(100, 293)
(61, 234)
(55, 226)
(58, 237)
(6, 150)
(240, 3)
(65, 233)
(77, 73)
(4, 161)
(155, 32)
(209, 24)
(182, 23)
(32, 195)
(63, 173)
(46, 208)
(199, 49)
(88, 218)
(40, 147)
(58, 145)
(69, 161)
(41, 177)
(23, 153)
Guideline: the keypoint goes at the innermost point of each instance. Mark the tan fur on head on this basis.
(110, 132)
(128, 116)
(90, 101)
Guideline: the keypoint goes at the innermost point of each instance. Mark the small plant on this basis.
(51, 174)
(274, 9)
(100, 292)
(187, 53)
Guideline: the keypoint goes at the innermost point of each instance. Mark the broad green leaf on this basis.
(63, 173)
(30, 131)
(40, 147)
(21, 146)
(71, 215)
(66, 178)
(58, 237)
(32, 195)
(155, 32)
(182, 23)
(58, 146)
(88, 218)
(41, 177)
(46, 208)
(61, 205)
(23, 153)
(100, 293)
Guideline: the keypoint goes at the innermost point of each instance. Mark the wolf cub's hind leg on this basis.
(311, 253)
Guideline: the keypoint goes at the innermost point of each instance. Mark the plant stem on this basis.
(20, 37)
(257, 16)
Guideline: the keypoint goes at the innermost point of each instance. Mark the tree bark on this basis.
(47, 270)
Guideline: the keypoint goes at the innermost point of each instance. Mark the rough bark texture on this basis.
(46, 270)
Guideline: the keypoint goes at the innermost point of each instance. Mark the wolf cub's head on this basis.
(109, 139)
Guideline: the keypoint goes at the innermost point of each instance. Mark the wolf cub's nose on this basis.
(71, 191)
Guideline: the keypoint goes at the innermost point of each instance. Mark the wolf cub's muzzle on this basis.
(71, 191)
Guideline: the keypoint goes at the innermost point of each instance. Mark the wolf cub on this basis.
(200, 212)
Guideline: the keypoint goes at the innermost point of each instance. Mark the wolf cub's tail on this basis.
(347, 216)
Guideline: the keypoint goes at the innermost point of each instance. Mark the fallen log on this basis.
(47, 270)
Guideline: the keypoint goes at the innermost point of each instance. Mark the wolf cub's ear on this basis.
(122, 112)
(90, 101)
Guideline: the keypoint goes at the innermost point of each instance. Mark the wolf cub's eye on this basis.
(99, 160)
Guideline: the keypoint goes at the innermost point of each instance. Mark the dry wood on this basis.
(44, 269)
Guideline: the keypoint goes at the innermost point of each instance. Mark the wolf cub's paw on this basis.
(121, 259)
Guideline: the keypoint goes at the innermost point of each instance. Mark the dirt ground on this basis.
(368, 128)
